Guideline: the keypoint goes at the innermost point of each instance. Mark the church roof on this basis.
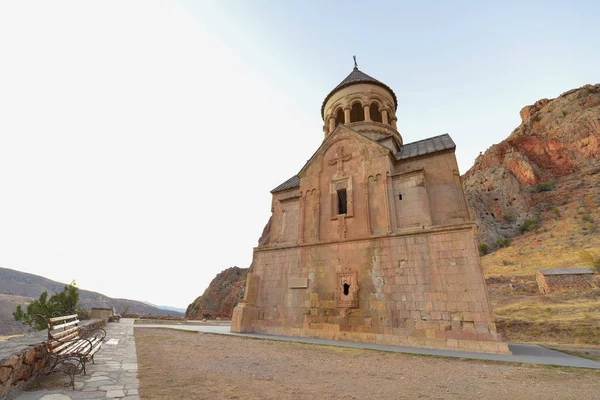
(293, 182)
(409, 150)
(566, 271)
(356, 77)
(425, 146)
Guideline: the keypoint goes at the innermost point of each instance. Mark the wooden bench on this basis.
(71, 346)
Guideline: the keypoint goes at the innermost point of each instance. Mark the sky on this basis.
(139, 140)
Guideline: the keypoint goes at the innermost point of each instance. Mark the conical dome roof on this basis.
(356, 77)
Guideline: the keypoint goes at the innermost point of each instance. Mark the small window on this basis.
(400, 196)
(342, 204)
(346, 289)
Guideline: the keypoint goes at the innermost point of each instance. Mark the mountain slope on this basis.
(17, 286)
(536, 199)
(221, 296)
(557, 138)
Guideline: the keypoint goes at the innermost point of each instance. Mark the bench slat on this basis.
(57, 343)
(53, 328)
(60, 335)
(70, 345)
(55, 319)
(83, 346)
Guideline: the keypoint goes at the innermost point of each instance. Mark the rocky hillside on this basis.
(221, 296)
(18, 287)
(558, 139)
(536, 199)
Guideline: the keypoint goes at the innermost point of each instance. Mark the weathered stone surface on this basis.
(221, 296)
(5, 373)
(557, 137)
(30, 356)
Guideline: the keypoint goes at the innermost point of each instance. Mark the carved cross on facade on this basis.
(339, 160)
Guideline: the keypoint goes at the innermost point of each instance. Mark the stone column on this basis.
(367, 109)
(347, 115)
(384, 116)
(394, 119)
(246, 312)
(331, 124)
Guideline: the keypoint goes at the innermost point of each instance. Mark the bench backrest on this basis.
(61, 329)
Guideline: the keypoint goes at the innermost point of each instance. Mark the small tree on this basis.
(62, 303)
(483, 248)
(503, 242)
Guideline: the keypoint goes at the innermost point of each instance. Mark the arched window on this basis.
(357, 113)
(375, 114)
(339, 117)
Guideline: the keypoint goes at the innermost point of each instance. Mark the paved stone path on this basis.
(522, 353)
(113, 376)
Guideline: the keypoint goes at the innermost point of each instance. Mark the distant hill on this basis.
(18, 287)
(168, 308)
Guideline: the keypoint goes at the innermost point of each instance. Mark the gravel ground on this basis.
(185, 365)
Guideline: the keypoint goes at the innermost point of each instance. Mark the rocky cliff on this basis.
(221, 296)
(558, 139)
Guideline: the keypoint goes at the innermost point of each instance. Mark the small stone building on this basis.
(101, 310)
(371, 241)
(550, 280)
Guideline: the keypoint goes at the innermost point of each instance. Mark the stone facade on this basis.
(551, 280)
(372, 240)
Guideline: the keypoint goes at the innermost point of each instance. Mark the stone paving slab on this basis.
(113, 376)
(522, 353)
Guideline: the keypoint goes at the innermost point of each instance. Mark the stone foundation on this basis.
(420, 289)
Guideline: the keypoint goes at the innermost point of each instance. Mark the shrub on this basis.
(545, 186)
(537, 118)
(564, 113)
(528, 225)
(483, 248)
(588, 218)
(503, 242)
(510, 218)
(586, 256)
(556, 213)
(63, 303)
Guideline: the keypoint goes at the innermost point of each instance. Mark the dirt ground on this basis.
(188, 365)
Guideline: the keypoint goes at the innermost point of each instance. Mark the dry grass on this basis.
(181, 365)
(8, 337)
(562, 317)
(565, 238)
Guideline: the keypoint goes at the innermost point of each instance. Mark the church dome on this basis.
(363, 104)
(355, 77)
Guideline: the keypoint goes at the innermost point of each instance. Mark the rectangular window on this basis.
(342, 204)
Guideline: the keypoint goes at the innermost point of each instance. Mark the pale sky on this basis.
(139, 140)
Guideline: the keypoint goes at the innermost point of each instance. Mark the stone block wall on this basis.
(552, 283)
(21, 358)
(422, 289)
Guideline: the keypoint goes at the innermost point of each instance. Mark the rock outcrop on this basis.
(221, 296)
(556, 138)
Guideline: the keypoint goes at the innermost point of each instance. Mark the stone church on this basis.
(371, 241)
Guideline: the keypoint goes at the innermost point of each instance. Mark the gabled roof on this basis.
(356, 77)
(409, 150)
(293, 182)
(566, 271)
(426, 146)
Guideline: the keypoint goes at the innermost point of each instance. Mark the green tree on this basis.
(63, 303)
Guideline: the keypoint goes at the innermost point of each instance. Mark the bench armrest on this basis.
(97, 333)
